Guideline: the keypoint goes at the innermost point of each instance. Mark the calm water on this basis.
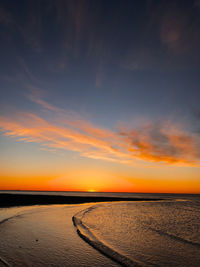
(145, 233)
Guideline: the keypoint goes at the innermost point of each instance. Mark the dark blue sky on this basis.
(120, 58)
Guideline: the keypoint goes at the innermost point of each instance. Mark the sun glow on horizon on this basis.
(91, 190)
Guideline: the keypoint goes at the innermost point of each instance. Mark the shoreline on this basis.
(13, 200)
(46, 236)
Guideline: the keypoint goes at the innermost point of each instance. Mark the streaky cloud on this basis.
(161, 142)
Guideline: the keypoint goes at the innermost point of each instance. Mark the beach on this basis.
(159, 233)
(34, 231)
(107, 233)
(45, 236)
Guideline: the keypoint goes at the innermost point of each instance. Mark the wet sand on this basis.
(32, 234)
(46, 236)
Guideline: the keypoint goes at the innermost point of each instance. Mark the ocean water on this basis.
(107, 194)
(142, 233)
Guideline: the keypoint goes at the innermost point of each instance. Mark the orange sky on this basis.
(98, 176)
(73, 154)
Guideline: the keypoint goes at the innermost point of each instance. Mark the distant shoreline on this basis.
(12, 200)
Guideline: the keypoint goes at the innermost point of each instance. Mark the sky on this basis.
(100, 95)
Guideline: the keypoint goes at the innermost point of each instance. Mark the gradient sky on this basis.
(100, 95)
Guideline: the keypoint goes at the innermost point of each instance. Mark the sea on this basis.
(140, 233)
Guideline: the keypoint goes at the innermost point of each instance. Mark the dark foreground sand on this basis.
(11, 200)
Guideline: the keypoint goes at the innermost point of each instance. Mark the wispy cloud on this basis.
(176, 25)
(179, 29)
(34, 95)
(197, 3)
(28, 26)
(72, 16)
(156, 142)
(5, 16)
(163, 142)
(73, 135)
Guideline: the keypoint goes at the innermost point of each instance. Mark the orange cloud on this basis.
(158, 142)
(162, 142)
(86, 139)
